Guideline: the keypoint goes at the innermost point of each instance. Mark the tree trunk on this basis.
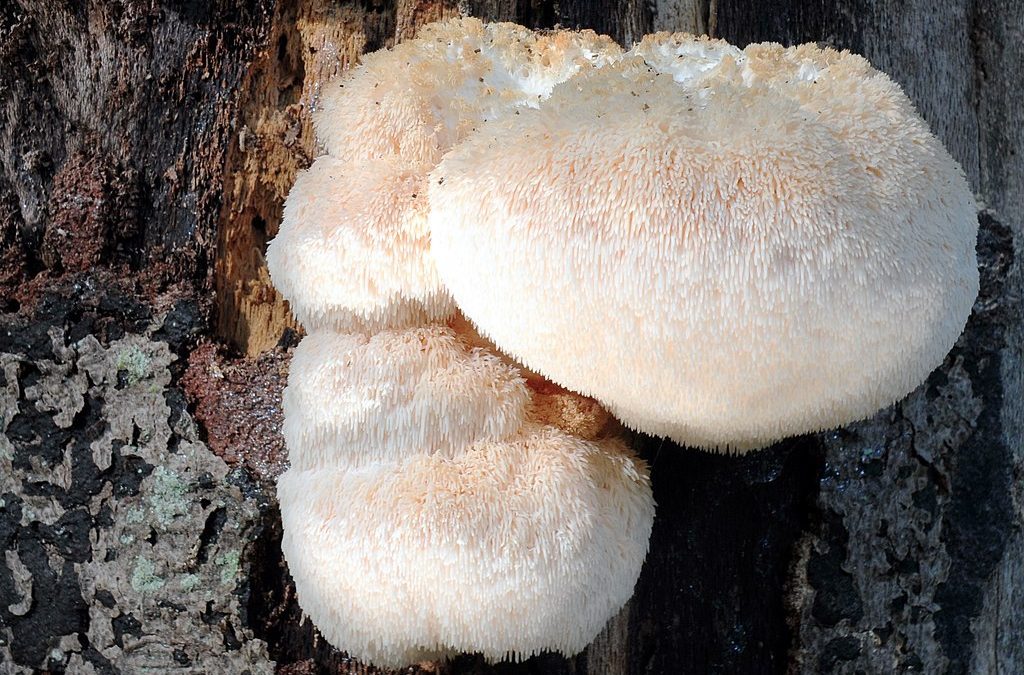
(145, 150)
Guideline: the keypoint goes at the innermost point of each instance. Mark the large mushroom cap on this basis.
(723, 247)
(420, 97)
(512, 548)
(353, 399)
(352, 252)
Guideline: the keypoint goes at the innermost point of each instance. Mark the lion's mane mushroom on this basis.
(437, 500)
(351, 254)
(512, 547)
(437, 504)
(352, 251)
(725, 247)
(421, 97)
(353, 399)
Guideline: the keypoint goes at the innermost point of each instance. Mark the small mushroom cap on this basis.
(353, 399)
(512, 548)
(419, 98)
(723, 247)
(352, 251)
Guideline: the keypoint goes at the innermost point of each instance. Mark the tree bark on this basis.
(145, 151)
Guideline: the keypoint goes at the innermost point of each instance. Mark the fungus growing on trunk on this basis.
(353, 399)
(351, 254)
(352, 251)
(723, 246)
(514, 546)
(437, 500)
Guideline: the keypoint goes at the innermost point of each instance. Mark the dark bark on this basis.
(156, 141)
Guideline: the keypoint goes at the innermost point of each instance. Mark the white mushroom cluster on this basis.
(514, 234)
(439, 499)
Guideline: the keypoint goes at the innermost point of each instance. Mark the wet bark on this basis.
(145, 150)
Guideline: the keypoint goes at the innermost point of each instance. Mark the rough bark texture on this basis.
(155, 141)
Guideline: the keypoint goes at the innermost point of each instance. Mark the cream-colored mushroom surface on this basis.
(723, 246)
(437, 504)
(353, 399)
(352, 252)
(439, 499)
(421, 97)
(514, 547)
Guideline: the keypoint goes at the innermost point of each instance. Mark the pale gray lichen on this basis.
(144, 578)
(189, 582)
(134, 362)
(229, 567)
(167, 496)
(134, 511)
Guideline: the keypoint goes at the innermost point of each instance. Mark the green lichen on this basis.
(229, 567)
(190, 582)
(134, 362)
(135, 516)
(166, 495)
(144, 578)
